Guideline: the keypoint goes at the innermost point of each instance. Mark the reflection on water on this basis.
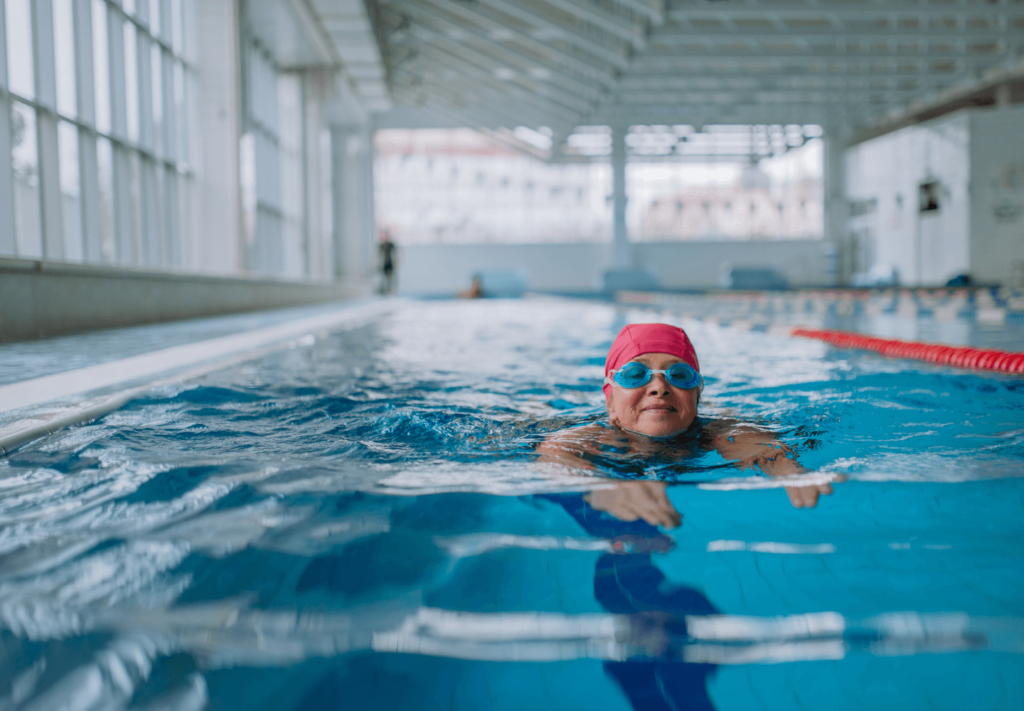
(359, 522)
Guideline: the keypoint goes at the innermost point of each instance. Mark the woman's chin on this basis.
(660, 429)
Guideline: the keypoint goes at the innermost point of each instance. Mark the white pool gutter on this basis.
(176, 364)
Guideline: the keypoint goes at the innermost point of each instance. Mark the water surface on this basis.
(359, 521)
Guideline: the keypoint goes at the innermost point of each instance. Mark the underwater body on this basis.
(360, 521)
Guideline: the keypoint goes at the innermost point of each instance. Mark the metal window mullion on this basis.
(184, 144)
(3, 55)
(42, 46)
(118, 100)
(51, 208)
(7, 240)
(123, 233)
(149, 200)
(88, 169)
(172, 217)
(166, 26)
(170, 125)
(190, 45)
(7, 244)
(85, 84)
(145, 91)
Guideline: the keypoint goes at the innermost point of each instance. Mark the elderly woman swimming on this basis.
(652, 387)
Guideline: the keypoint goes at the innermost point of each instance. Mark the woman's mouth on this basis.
(659, 408)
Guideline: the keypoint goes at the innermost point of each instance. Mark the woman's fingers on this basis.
(806, 497)
(631, 500)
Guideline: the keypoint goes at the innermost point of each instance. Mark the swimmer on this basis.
(652, 388)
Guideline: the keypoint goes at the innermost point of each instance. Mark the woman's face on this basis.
(656, 409)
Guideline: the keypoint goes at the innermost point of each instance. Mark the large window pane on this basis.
(172, 217)
(152, 241)
(176, 18)
(64, 51)
(154, 17)
(129, 6)
(180, 118)
(135, 196)
(156, 76)
(105, 165)
(25, 164)
(70, 190)
(167, 101)
(131, 81)
(20, 69)
(101, 65)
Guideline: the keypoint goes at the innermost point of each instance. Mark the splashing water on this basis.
(359, 521)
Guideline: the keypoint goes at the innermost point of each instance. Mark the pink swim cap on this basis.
(639, 338)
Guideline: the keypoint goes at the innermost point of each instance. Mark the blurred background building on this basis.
(173, 158)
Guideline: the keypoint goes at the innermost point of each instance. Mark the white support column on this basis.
(369, 207)
(340, 179)
(220, 244)
(88, 167)
(7, 245)
(352, 225)
(837, 210)
(51, 207)
(622, 251)
(312, 91)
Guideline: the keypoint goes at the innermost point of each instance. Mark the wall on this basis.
(927, 248)
(447, 269)
(44, 298)
(997, 196)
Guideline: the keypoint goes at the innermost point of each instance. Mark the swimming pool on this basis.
(358, 521)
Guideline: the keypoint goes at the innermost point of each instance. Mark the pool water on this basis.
(359, 521)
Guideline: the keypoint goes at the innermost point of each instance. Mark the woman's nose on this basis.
(658, 384)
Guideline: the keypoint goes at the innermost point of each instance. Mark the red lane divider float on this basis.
(975, 358)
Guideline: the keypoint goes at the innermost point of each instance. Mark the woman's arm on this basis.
(753, 448)
(625, 500)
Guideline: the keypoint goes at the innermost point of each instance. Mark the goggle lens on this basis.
(636, 375)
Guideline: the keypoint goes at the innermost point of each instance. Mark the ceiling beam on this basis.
(889, 10)
(448, 32)
(670, 63)
(615, 26)
(705, 81)
(470, 73)
(456, 58)
(554, 30)
(432, 41)
(653, 10)
(488, 109)
(485, 102)
(499, 33)
(665, 36)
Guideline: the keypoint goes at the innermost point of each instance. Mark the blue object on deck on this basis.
(503, 283)
(753, 278)
(629, 280)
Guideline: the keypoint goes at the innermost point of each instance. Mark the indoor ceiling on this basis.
(559, 64)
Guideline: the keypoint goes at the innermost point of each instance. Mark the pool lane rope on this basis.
(958, 357)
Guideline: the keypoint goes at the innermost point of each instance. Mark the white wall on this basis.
(926, 248)
(698, 265)
(447, 269)
(997, 192)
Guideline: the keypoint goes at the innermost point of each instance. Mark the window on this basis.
(97, 130)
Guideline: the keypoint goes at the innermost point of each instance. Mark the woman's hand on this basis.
(752, 448)
(630, 500)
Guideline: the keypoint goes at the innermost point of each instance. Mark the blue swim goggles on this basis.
(636, 375)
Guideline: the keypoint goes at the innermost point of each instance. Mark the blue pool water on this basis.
(359, 521)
